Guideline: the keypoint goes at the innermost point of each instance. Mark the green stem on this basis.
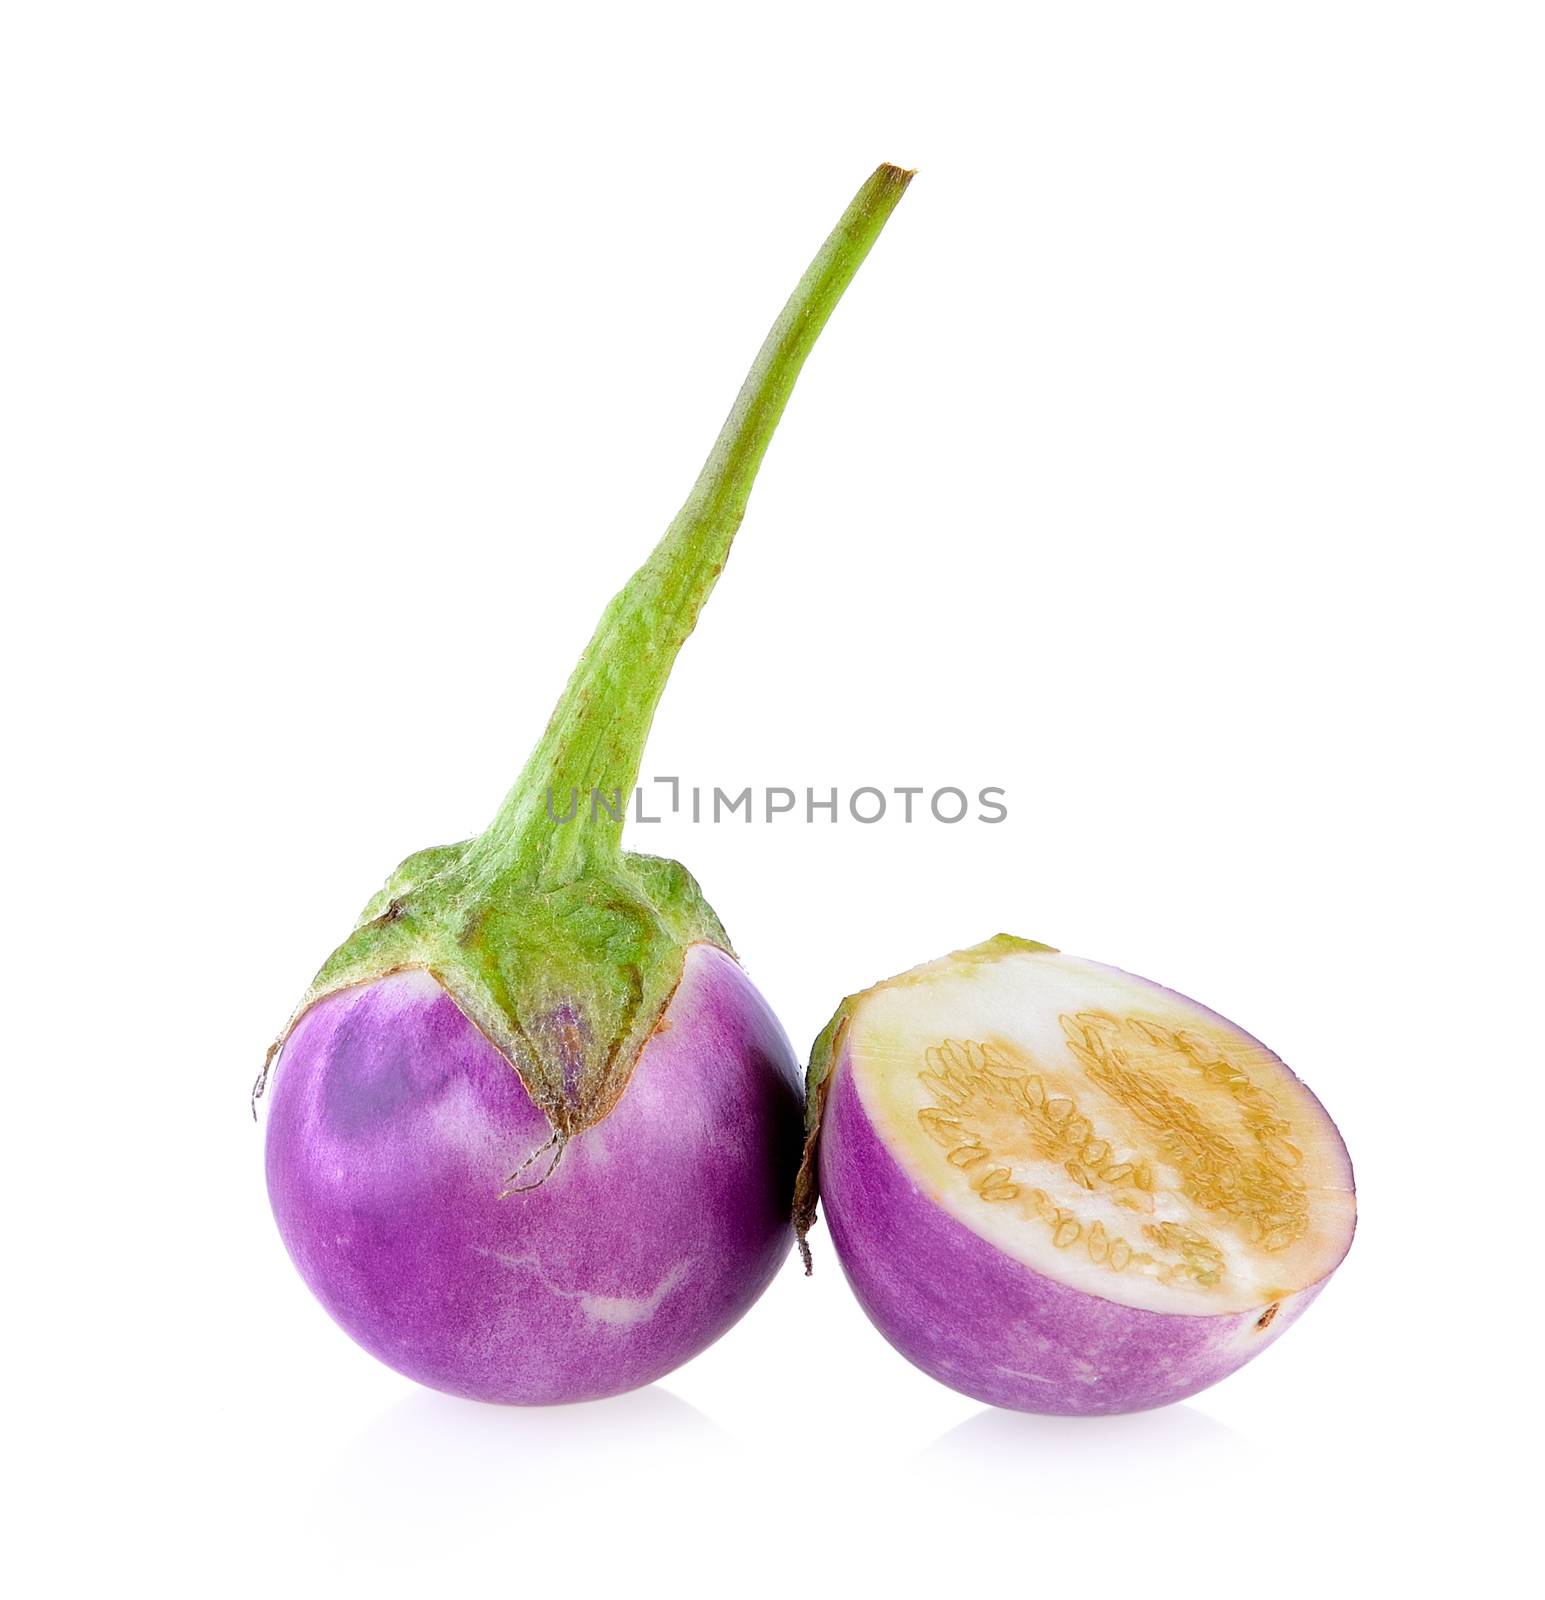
(595, 740)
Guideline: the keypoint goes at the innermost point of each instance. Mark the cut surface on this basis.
(1104, 1131)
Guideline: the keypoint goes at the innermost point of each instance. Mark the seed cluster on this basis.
(1200, 1259)
(1115, 1253)
(987, 1105)
(1258, 1186)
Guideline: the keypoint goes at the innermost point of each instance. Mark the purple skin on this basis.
(988, 1325)
(394, 1125)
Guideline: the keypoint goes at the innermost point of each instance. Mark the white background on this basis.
(1174, 463)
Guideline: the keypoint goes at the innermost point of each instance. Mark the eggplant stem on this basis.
(594, 742)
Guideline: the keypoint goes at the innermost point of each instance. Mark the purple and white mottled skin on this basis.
(955, 1305)
(395, 1123)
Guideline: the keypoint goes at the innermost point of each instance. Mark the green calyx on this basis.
(560, 946)
(828, 1047)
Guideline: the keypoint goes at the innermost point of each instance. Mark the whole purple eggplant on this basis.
(533, 1133)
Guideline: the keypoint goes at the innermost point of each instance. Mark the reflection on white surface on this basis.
(1171, 1433)
(1095, 1485)
(433, 1471)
